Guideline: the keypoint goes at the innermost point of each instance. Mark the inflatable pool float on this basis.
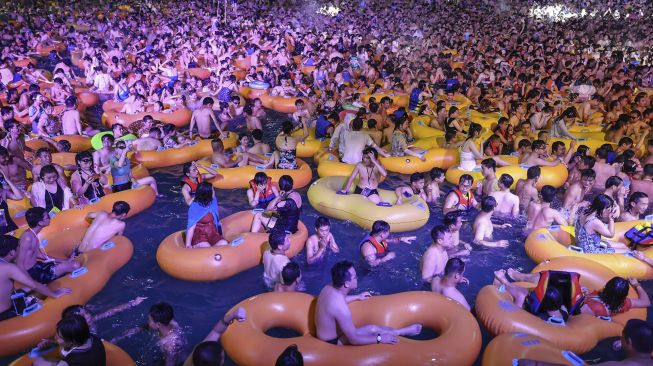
(239, 177)
(199, 72)
(78, 143)
(507, 348)
(252, 93)
(175, 156)
(96, 140)
(421, 128)
(459, 101)
(559, 241)
(179, 118)
(21, 332)
(245, 251)
(243, 63)
(23, 62)
(458, 341)
(486, 120)
(591, 143)
(398, 100)
(434, 157)
(496, 311)
(555, 176)
(45, 51)
(115, 356)
(309, 147)
(412, 214)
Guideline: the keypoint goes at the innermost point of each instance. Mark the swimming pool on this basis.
(198, 306)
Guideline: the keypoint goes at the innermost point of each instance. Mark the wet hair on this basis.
(207, 101)
(379, 226)
(7, 244)
(438, 232)
(523, 143)
(217, 144)
(370, 149)
(204, 194)
(613, 181)
(533, 172)
(436, 173)
(340, 273)
(356, 124)
(538, 144)
(640, 335)
(416, 177)
(451, 218)
(290, 273)
(474, 128)
(599, 204)
(556, 145)
(287, 127)
(260, 178)
(489, 163)
(161, 313)
(34, 215)
(290, 357)
(589, 161)
(635, 197)
(257, 134)
(42, 150)
(548, 193)
(614, 294)
(120, 208)
(465, 178)
(506, 180)
(285, 183)
(73, 330)
(322, 221)
(72, 310)
(277, 238)
(648, 169)
(208, 353)
(629, 166)
(625, 141)
(588, 173)
(454, 266)
(10, 123)
(488, 203)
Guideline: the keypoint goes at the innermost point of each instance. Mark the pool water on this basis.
(198, 306)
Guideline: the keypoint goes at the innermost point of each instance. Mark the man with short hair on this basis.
(104, 226)
(374, 247)
(484, 228)
(507, 202)
(203, 117)
(435, 257)
(489, 183)
(461, 197)
(637, 206)
(526, 189)
(542, 214)
(275, 259)
(446, 284)
(291, 276)
(332, 313)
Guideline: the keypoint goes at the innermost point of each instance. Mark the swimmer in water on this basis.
(291, 277)
(374, 247)
(416, 188)
(369, 173)
(507, 202)
(484, 228)
(446, 284)
(321, 242)
(105, 225)
(435, 258)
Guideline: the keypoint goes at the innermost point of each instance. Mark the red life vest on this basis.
(192, 185)
(380, 247)
(464, 200)
(267, 195)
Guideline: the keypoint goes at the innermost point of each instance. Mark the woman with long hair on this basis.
(203, 228)
(596, 221)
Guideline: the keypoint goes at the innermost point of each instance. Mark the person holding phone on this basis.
(121, 171)
(87, 185)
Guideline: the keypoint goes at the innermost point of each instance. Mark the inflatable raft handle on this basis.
(214, 166)
(32, 309)
(555, 321)
(647, 217)
(575, 248)
(606, 318)
(257, 210)
(572, 358)
(581, 139)
(236, 242)
(629, 254)
(268, 154)
(554, 228)
(260, 167)
(20, 214)
(38, 352)
(217, 257)
(107, 246)
(78, 272)
(384, 204)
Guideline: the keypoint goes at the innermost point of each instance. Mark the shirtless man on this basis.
(602, 169)
(416, 187)
(253, 122)
(32, 258)
(291, 277)
(526, 189)
(9, 273)
(369, 173)
(333, 313)
(259, 147)
(57, 93)
(14, 169)
(575, 194)
(637, 206)
(14, 141)
(203, 117)
(149, 142)
(538, 156)
(319, 243)
(489, 183)
(102, 157)
(223, 161)
(435, 257)
(374, 247)
(446, 284)
(507, 202)
(433, 187)
(461, 197)
(484, 228)
(70, 120)
(541, 214)
(44, 157)
(104, 226)
(301, 115)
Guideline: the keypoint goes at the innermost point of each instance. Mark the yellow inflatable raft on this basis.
(232, 178)
(559, 241)
(174, 156)
(412, 214)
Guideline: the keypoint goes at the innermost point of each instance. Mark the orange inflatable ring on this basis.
(458, 343)
(19, 333)
(25, 61)
(560, 241)
(199, 72)
(173, 156)
(232, 178)
(115, 356)
(218, 263)
(398, 100)
(507, 347)
(78, 143)
(112, 106)
(179, 118)
(250, 93)
(86, 98)
(496, 311)
(45, 51)
(243, 63)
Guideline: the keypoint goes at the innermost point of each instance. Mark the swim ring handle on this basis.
(573, 358)
(32, 309)
(575, 248)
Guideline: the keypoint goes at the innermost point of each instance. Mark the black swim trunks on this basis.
(333, 341)
(43, 272)
(121, 187)
(366, 191)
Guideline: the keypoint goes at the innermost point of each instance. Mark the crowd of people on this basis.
(540, 76)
